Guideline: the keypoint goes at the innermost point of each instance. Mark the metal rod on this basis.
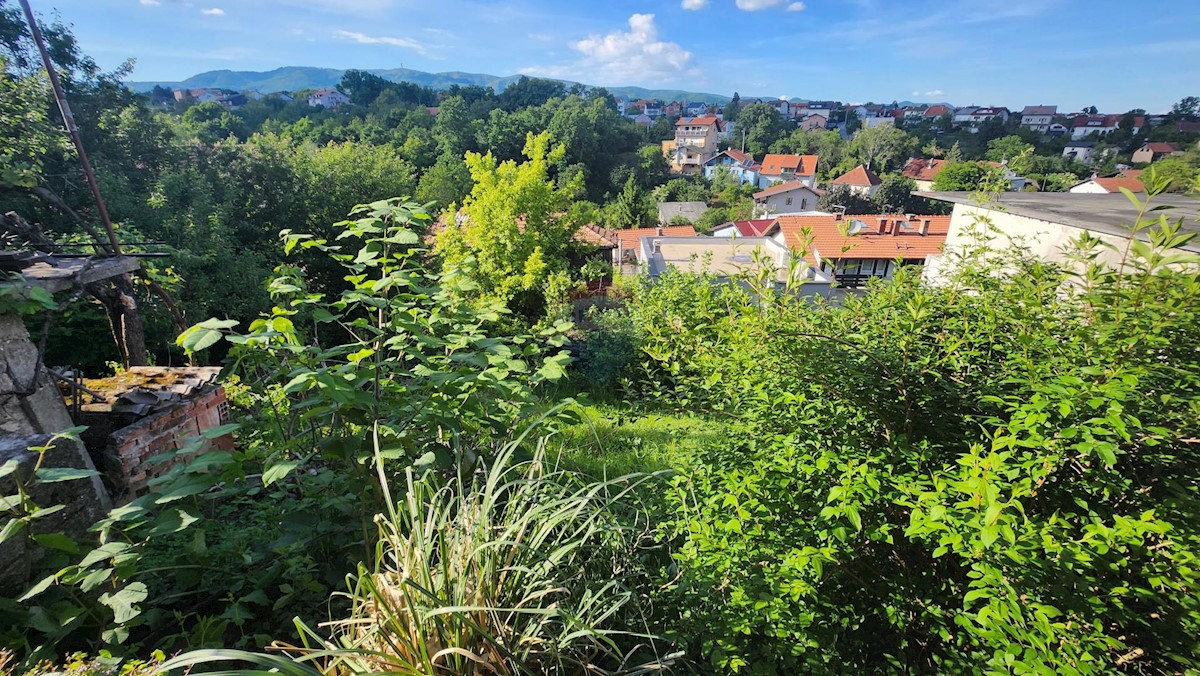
(72, 129)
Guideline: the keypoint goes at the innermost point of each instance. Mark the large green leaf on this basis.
(122, 602)
(50, 475)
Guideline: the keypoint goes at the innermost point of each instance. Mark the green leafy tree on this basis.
(965, 176)
(759, 125)
(632, 208)
(881, 148)
(513, 231)
(733, 108)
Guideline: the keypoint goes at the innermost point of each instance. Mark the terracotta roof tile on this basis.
(828, 238)
(630, 238)
(697, 121)
(803, 165)
(1159, 147)
(921, 169)
(754, 228)
(858, 176)
(1115, 183)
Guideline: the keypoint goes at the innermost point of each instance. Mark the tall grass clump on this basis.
(516, 568)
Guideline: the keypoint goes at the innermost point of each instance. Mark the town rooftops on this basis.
(780, 189)
(859, 176)
(802, 165)
(882, 237)
(990, 110)
(1109, 214)
(669, 211)
(937, 110)
(753, 228)
(921, 169)
(1040, 110)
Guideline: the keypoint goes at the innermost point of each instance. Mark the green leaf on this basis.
(11, 528)
(49, 475)
(38, 588)
(9, 467)
(57, 541)
(122, 602)
(279, 470)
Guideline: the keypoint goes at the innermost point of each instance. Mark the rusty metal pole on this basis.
(72, 129)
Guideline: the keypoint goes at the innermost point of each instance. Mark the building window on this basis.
(789, 201)
(803, 203)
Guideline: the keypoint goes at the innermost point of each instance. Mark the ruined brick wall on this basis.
(130, 449)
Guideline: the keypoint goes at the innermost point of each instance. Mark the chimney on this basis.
(883, 225)
(658, 231)
(838, 216)
(924, 227)
(657, 247)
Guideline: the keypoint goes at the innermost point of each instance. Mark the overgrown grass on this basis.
(615, 438)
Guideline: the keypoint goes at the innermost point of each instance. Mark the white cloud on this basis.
(931, 92)
(797, 7)
(213, 11)
(694, 4)
(755, 5)
(151, 3)
(617, 57)
(363, 39)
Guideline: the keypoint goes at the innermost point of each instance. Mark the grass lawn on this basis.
(613, 439)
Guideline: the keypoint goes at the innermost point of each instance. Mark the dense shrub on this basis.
(995, 474)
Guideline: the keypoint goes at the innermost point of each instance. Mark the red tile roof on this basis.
(781, 188)
(739, 156)
(594, 234)
(936, 111)
(828, 240)
(921, 169)
(696, 121)
(858, 176)
(803, 165)
(754, 228)
(1115, 183)
(631, 238)
(1132, 173)
(1159, 147)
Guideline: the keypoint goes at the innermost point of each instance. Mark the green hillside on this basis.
(291, 78)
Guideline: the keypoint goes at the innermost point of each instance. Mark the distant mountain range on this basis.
(292, 78)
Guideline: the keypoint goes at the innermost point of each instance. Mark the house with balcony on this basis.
(327, 97)
(739, 164)
(785, 168)
(694, 145)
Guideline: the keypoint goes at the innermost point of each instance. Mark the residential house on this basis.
(628, 256)
(825, 108)
(254, 95)
(860, 180)
(736, 162)
(1080, 151)
(651, 108)
(855, 249)
(963, 115)
(1045, 224)
(695, 108)
(674, 109)
(981, 115)
(1015, 182)
(1112, 184)
(788, 197)
(814, 122)
(1057, 129)
(282, 96)
(729, 258)
(783, 106)
(327, 97)
(232, 101)
(923, 171)
(1038, 118)
(935, 111)
(873, 122)
(1188, 127)
(786, 168)
(622, 105)
(677, 213)
(1151, 152)
(914, 112)
(753, 228)
(643, 119)
(1087, 125)
(695, 143)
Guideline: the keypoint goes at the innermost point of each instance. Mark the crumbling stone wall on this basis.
(31, 411)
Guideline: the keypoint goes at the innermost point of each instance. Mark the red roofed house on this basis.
(695, 143)
(1109, 185)
(814, 122)
(627, 254)
(922, 172)
(1086, 125)
(786, 168)
(856, 249)
(754, 228)
(788, 197)
(736, 162)
(933, 112)
(861, 180)
(1149, 152)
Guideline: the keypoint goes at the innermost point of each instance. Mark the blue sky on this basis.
(1113, 54)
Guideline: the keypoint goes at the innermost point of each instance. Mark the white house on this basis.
(1086, 125)
(1080, 151)
(981, 115)
(1038, 118)
(785, 198)
(736, 162)
(327, 98)
(1104, 186)
(963, 115)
